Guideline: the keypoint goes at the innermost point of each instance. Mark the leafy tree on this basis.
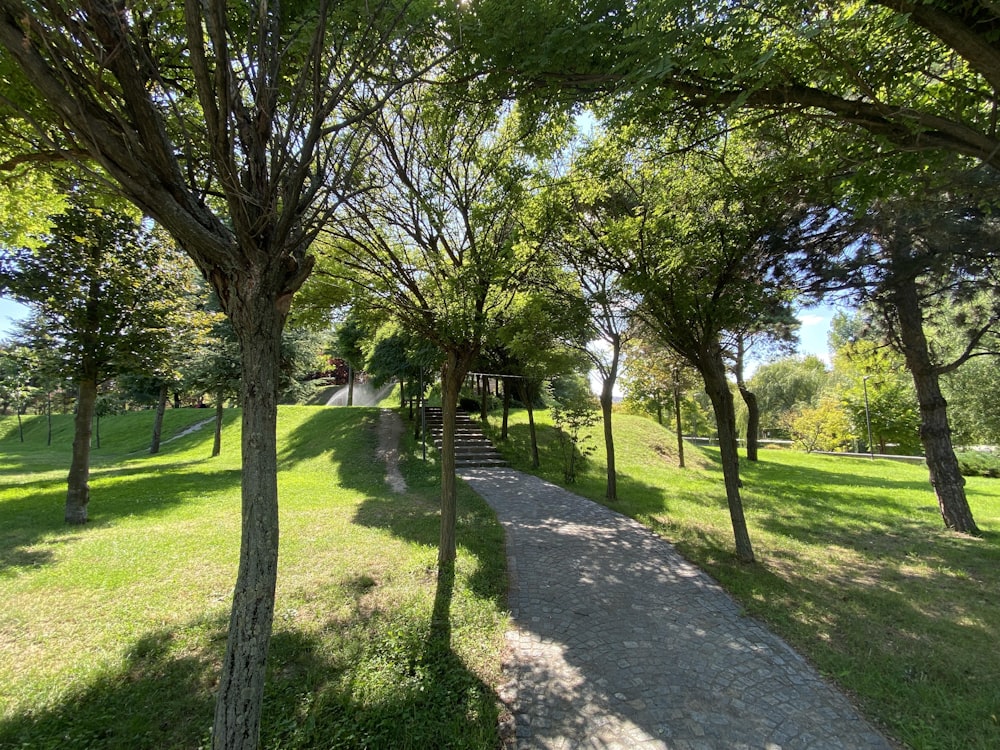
(102, 287)
(656, 376)
(435, 244)
(973, 405)
(573, 416)
(16, 371)
(704, 266)
(912, 258)
(785, 385)
(228, 124)
(874, 388)
(824, 427)
(350, 335)
(585, 235)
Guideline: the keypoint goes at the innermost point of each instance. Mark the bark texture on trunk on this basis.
(717, 387)
(935, 432)
(217, 442)
(350, 385)
(753, 421)
(161, 408)
(258, 323)
(78, 482)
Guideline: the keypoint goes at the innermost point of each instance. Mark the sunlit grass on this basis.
(854, 568)
(111, 633)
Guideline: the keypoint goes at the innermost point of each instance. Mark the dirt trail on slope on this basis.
(390, 429)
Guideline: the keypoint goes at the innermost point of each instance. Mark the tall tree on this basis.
(101, 285)
(228, 124)
(704, 266)
(435, 242)
(924, 252)
(584, 235)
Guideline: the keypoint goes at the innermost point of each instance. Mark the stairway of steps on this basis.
(472, 449)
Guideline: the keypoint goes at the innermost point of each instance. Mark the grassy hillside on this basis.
(111, 634)
(854, 568)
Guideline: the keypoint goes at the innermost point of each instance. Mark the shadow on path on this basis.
(621, 642)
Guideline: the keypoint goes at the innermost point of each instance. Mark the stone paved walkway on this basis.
(620, 643)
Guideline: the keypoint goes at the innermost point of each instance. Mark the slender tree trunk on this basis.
(659, 413)
(935, 432)
(257, 322)
(607, 401)
(161, 409)
(506, 408)
(402, 397)
(20, 426)
(350, 385)
(484, 400)
(219, 405)
(717, 387)
(97, 430)
(527, 396)
(452, 375)
(48, 418)
(677, 423)
(78, 491)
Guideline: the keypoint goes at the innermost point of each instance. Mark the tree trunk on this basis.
(527, 397)
(753, 421)
(217, 442)
(753, 411)
(677, 422)
(48, 418)
(935, 432)
(452, 375)
(484, 400)
(506, 408)
(20, 426)
(78, 491)
(161, 408)
(717, 387)
(402, 397)
(350, 385)
(659, 413)
(257, 322)
(607, 401)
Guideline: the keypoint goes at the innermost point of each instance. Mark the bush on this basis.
(979, 464)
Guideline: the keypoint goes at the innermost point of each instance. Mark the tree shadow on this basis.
(159, 698)
(32, 524)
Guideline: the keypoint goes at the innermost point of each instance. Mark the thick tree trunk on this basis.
(677, 423)
(217, 442)
(935, 432)
(717, 387)
(257, 322)
(78, 490)
(452, 375)
(753, 421)
(161, 409)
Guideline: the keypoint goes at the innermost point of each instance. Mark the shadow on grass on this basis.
(372, 680)
(32, 523)
(159, 699)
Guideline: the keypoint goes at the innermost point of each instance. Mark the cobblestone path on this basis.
(620, 643)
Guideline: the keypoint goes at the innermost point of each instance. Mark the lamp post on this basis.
(868, 418)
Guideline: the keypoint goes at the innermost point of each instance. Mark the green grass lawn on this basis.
(855, 568)
(111, 634)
